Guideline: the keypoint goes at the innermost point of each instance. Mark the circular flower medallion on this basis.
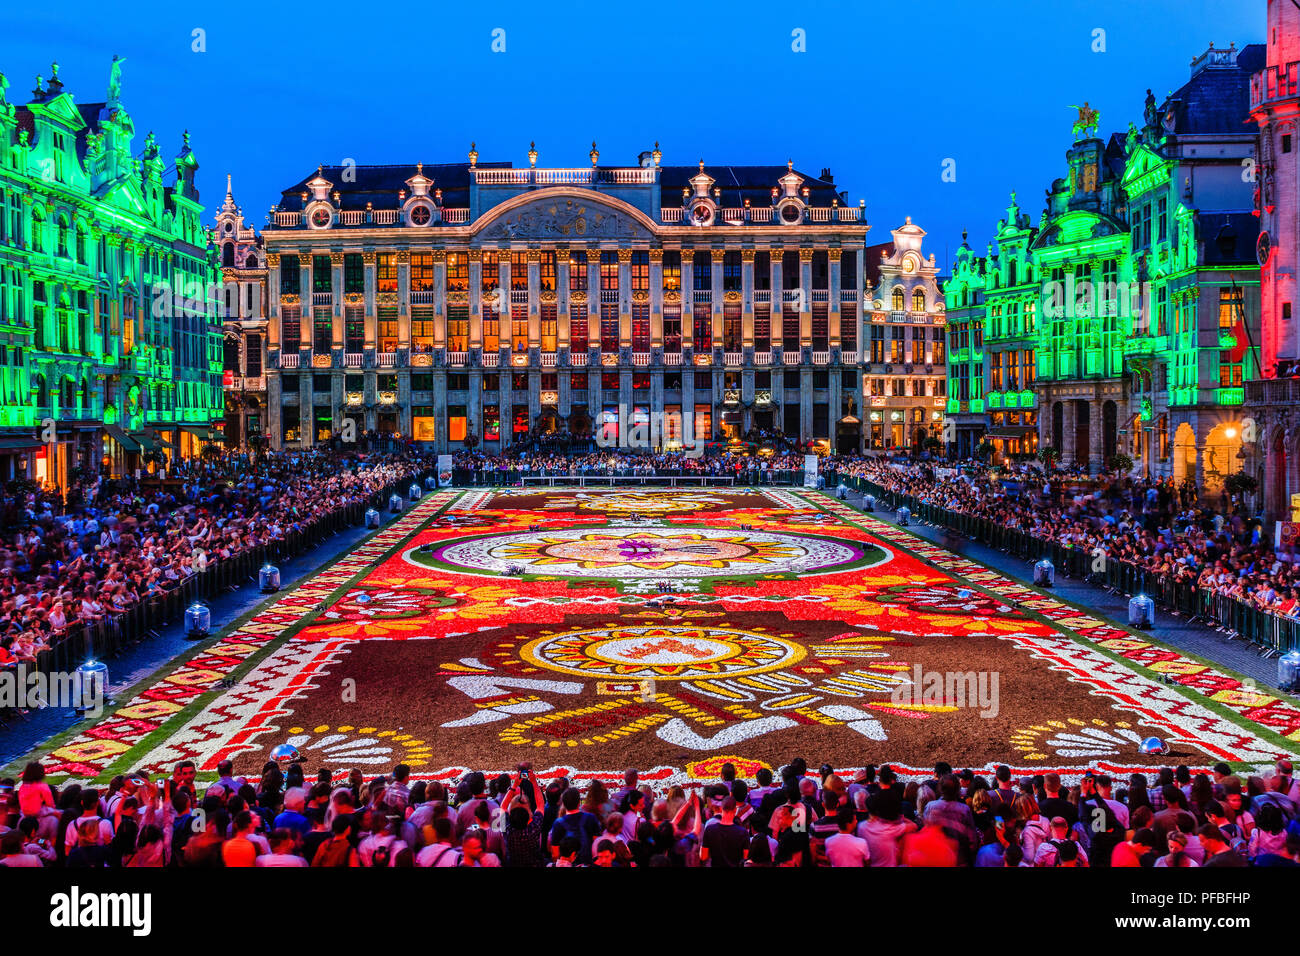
(633, 552)
(662, 653)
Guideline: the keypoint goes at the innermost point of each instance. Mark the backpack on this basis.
(333, 852)
(382, 854)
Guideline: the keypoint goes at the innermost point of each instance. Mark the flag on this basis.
(1238, 351)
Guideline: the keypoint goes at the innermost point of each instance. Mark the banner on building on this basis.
(444, 471)
(1286, 533)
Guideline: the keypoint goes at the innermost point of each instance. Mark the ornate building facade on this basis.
(1275, 400)
(474, 305)
(243, 323)
(904, 358)
(109, 340)
(1112, 327)
(965, 422)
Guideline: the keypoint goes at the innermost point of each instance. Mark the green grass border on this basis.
(125, 761)
(1263, 733)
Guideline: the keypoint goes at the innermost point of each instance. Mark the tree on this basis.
(1121, 462)
(1049, 456)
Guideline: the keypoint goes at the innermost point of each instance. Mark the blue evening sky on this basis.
(884, 93)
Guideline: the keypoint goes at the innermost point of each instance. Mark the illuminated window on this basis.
(457, 272)
(897, 299)
(422, 272)
(918, 300)
(578, 271)
(386, 272)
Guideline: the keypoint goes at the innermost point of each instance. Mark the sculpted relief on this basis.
(566, 218)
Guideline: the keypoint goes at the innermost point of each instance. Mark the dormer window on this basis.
(420, 215)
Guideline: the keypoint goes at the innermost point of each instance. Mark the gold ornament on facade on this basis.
(369, 258)
(805, 255)
(578, 298)
(354, 298)
(421, 360)
(533, 255)
(289, 298)
(355, 398)
(387, 398)
(547, 296)
(386, 298)
(474, 255)
(321, 361)
(672, 296)
(273, 260)
(718, 255)
(439, 257)
(657, 255)
(457, 298)
(732, 295)
(747, 255)
(624, 256)
(403, 257)
(640, 298)
(336, 258)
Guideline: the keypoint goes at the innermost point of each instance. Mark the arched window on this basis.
(250, 262)
(918, 300)
(897, 299)
(63, 237)
(228, 255)
(42, 393)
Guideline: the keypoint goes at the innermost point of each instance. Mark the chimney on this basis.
(826, 175)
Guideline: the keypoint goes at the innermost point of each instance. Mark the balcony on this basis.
(1274, 391)
(672, 358)
(455, 215)
(763, 358)
(386, 359)
(386, 217)
(457, 359)
(578, 359)
(287, 220)
(640, 358)
(791, 356)
(490, 359)
(423, 297)
(288, 360)
(850, 358)
(322, 298)
(1275, 83)
(821, 358)
(548, 359)
(733, 358)
(354, 360)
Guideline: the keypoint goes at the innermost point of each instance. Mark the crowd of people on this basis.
(509, 468)
(1151, 523)
(110, 544)
(870, 817)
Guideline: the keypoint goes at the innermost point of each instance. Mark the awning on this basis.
(20, 444)
(122, 438)
(203, 432)
(147, 442)
(1012, 431)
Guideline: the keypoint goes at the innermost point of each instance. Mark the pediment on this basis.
(566, 217)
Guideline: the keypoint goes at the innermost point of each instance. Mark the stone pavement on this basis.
(1174, 631)
(21, 736)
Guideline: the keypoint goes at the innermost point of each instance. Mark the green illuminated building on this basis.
(1108, 328)
(109, 332)
(965, 422)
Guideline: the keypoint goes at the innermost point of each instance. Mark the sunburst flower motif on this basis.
(980, 625)
(345, 747)
(1074, 737)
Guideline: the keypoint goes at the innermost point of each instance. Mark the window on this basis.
(518, 325)
(550, 328)
(609, 271)
(762, 328)
(702, 328)
(640, 271)
(290, 328)
(918, 300)
(672, 329)
(641, 327)
(387, 319)
(546, 271)
(422, 330)
(519, 271)
(458, 328)
(820, 327)
(896, 334)
(578, 273)
(290, 273)
(702, 271)
(878, 343)
(321, 276)
(457, 272)
(731, 332)
(354, 273)
(897, 299)
(354, 329)
(322, 339)
(731, 271)
(386, 272)
(422, 272)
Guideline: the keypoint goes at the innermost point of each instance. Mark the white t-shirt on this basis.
(280, 859)
(845, 849)
(438, 854)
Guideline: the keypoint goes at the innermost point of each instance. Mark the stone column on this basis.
(805, 298)
(715, 307)
(562, 302)
(369, 261)
(506, 319)
(657, 302)
(747, 300)
(625, 298)
(834, 318)
(272, 304)
(534, 299)
(440, 306)
(475, 299)
(777, 307)
(404, 300)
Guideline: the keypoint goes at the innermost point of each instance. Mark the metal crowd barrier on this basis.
(494, 478)
(1257, 625)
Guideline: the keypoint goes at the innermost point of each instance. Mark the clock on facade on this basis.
(320, 217)
(1263, 246)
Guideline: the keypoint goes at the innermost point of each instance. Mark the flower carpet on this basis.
(587, 631)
